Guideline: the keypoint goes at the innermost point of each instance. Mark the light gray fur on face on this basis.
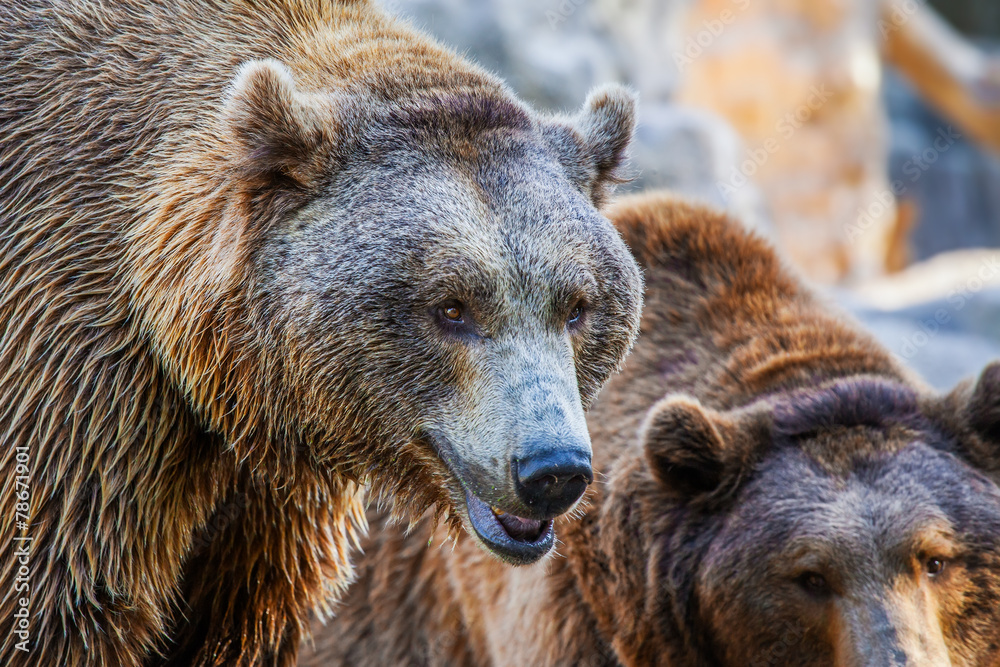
(509, 236)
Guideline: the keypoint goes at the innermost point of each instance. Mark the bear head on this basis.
(428, 298)
(855, 524)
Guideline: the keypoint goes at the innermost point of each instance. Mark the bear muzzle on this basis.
(516, 540)
(548, 483)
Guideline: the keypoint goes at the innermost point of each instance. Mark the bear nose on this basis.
(550, 482)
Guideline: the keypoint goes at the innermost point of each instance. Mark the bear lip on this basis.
(514, 539)
(522, 530)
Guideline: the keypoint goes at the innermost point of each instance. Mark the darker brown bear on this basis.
(253, 253)
(776, 491)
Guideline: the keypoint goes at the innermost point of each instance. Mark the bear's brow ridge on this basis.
(462, 113)
(865, 401)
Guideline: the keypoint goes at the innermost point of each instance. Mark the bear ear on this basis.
(971, 414)
(278, 136)
(983, 408)
(593, 144)
(683, 446)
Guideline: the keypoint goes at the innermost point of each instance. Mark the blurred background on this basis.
(862, 136)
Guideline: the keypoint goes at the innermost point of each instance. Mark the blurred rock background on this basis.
(716, 77)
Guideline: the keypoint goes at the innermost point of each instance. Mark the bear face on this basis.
(839, 527)
(449, 295)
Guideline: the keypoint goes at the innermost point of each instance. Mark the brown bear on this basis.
(254, 253)
(776, 490)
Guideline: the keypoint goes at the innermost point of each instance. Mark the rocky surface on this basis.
(941, 317)
(956, 191)
(954, 351)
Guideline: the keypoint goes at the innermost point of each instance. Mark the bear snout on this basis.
(551, 480)
(888, 633)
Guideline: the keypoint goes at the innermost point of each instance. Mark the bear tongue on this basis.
(523, 530)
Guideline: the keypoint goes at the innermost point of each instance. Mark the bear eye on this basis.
(934, 566)
(815, 584)
(452, 312)
(575, 314)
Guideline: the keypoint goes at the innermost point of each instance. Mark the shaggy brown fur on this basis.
(788, 506)
(187, 399)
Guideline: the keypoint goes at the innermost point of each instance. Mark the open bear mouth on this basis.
(514, 539)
